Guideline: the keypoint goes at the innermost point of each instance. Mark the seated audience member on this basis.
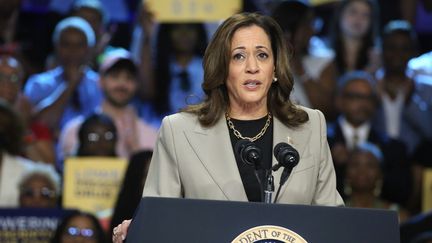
(118, 81)
(354, 36)
(364, 180)
(79, 227)
(406, 110)
(12, 166)
(356, 100)
(71, 89)
(97, 136)
(173, 78)
(40, 188)
(131, 190)
(94, 12)
(314, 73)
(38, 144)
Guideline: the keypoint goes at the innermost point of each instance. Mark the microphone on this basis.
(249, 153)
(288, 157)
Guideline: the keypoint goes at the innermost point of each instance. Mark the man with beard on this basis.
(357, 102)
(118, 82)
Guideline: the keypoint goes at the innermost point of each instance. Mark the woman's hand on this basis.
(120, 232)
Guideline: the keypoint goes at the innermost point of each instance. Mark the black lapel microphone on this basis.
(288, 157)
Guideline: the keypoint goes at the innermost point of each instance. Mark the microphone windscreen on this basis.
(286, 155)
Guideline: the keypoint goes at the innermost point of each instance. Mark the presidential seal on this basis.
(269, 234)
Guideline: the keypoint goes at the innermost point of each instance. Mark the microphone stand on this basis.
(268, 187)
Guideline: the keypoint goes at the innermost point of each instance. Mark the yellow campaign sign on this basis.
(92, 184)
(193, 10)
(427, 190)
(319, 2)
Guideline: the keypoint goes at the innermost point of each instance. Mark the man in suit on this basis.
(357, 102)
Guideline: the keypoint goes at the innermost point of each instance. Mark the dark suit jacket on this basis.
(396, 168)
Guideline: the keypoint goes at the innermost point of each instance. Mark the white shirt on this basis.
(13, 168)
(147, 135)
(349, 132)
(393, 113)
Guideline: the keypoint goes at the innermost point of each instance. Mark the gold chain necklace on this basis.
(240, 136)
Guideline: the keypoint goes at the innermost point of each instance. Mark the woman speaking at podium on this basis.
(247, 82)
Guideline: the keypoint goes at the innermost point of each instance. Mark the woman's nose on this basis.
(252, 65)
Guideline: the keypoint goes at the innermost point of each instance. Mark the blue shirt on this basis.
(45, 88)
(180, 98)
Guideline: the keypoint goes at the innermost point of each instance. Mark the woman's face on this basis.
(38, 192)
(72, 49)
(363, 171)
(99, 141)
(184, 38)
(10, 82)
(79, 229)
(355, 19)
(251, 68)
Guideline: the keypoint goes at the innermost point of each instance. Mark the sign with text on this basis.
(92, 184)
(29, 225)
(193, 10)
(319, 2)
(427, 190)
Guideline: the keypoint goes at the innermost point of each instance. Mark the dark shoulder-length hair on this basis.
(61, 228)
(369, 40)
(290, 15)
(164, 54)
(216, 67)
(11, 129)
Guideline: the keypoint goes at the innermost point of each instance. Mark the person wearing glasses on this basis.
(79, 227)
(39, 188)
(97, 136)
(38, 140)
(119, 83)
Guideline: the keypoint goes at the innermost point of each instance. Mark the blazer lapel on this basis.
(214, 150)
(297, 138)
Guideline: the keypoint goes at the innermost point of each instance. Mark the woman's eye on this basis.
(263, 55)
(238, 56)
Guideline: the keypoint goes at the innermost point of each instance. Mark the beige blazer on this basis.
(192, 161)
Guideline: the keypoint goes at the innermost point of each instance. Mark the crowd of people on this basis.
(89, 94)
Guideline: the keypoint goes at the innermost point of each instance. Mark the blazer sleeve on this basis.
(163, 178)
(326, 193)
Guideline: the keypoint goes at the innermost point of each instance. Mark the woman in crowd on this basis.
(364, 180)
(314, 72)
(248, 82)
(354, 36)
(173, 78)
(97, 136)
(40, 187)
(79, 227)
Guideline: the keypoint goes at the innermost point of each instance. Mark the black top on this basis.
(250, 128)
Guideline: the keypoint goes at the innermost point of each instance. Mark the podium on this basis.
(189, 220)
